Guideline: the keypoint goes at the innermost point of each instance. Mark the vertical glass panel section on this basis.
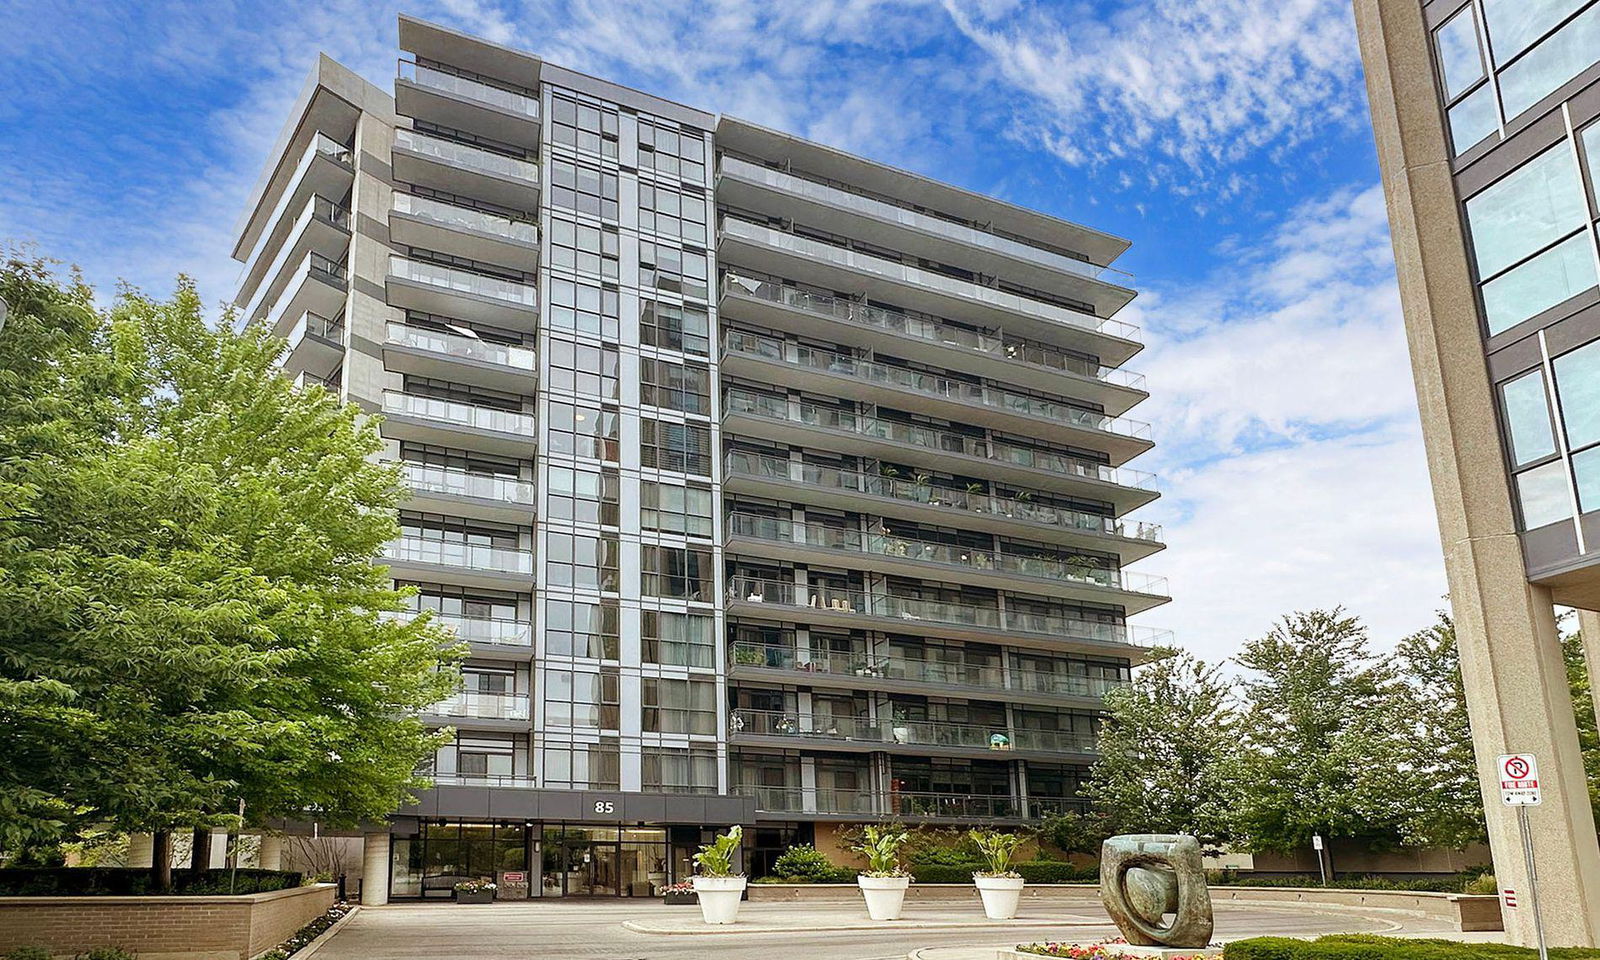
(1578, 385)
(1458, 53)
(1473, 119)
(1547, 66)
(1530, 208)
(1591, 153)
(1541, 283)
(1586, 470)
(1528, 418)
(1514, 24)
(1543, 491)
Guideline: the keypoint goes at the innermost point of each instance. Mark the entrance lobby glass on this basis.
(603, 862)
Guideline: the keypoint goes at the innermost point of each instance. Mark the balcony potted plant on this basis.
(679, 894)
(998, 885)
(717, 887)
(475, 891)
(884, 882)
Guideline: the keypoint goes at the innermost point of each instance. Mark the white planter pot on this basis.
(719, 898)
(1000, 896)
(885, 895)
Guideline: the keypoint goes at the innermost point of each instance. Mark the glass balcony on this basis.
(465, 347)
(315, 325)
(912, 610)
(470, 556)
(932, 733)
(953, 806)
(484, 706)
(926, 329)
(464, 414)
(464, 281)
(904, 804)
(889, 545)
(471, 158)
(460, 483)
(756, 466)
(466, 218)
(749, 403)
(511, 633)
(821, 800)
(937, 672)
(481, 780)
(459, 86)
(929, 385)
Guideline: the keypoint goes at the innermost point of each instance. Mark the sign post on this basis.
(1316, 844)
(1519, 787)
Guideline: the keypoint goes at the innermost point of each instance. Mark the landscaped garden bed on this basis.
(1366, 947)
(135, 881)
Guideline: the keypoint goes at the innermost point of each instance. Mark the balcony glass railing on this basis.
(315, 325)
(819, 800)
(481, 780)
(890, 667)
(738, 401)
(926, 329)
(465, 218)
(932, 733)
(929, 385)
(472, 556)
(453, 411)
(463, 346)
(837, 538)
(855, 202)
(456, 85)
(460, 483)
(909, 805)
(464, 281)
(894, 271)
(912, 611)
(484, 706)
(511, 633)
(745, 464)
(471, 158)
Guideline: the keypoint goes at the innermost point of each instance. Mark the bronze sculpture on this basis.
(1144, 877)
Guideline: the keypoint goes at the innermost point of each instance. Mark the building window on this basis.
(588, 699)
(666, 267)
(1528, 418)
(675, 152)
(584, 307)
(1536, 285)
(583, 562)
(583, 431)
(680, 771)
(675, 386)
(583, 126)
(584, 369)
(681, 447)
(586, 189)
(683, 573)
(573, 628)
(679, 706)
(668, 508)
(677, 216)
(1459, 59)
(583, 766)
(678, 639)
(1578, 385)
(671, 326)
(583, 495)
(1553, 60)
(1544, 496)
(1534, 206)
(581, 248)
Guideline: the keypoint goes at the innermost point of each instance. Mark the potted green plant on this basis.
(998, 884)
(475, 891)
(883, 884)
(717, 887)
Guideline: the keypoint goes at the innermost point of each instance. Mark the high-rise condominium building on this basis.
(1487, 116)
(770, 485)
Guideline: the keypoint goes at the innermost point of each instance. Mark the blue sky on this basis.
(1228, 139)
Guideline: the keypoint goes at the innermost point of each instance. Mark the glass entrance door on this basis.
(603, 862)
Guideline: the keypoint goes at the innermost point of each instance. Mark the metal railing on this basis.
(471, 556)
(483, 705)
(481, 780)
(465, 347)
(451, 215)
(738, 401)
(454, 411)
(525, 104)
(464, 281)
(460, 483)
(759, 466)
(913, 611)
(469, 157)
(778, 530)
(926, 329)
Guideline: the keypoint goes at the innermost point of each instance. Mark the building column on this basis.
(375, 869)
(141, 850)
(270, 855)
(1589, 625)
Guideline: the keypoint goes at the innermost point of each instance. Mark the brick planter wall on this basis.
(163, 928)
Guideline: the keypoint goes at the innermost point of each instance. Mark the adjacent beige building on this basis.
(1485, 114)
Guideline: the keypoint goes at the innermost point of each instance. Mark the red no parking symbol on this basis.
(1516, 769)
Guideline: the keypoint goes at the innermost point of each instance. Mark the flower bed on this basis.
(1366, 947)
(308, 933)
(1104, 950)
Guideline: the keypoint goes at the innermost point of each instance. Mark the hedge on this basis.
(1366, 947)
(1444, 883)
(1033, 871)
(137, 881)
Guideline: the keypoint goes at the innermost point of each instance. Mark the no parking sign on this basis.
(1519, 780)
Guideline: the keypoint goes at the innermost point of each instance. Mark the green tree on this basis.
(190, 611)
(1436, 775)
(1317, 722)
(1164, 743)
(1583, 707)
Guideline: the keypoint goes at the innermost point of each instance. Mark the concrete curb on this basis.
(1021, 923)
(305, 952)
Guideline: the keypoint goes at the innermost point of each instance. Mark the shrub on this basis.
(105, 953)
(136, 881)
(1368, 947)
(1444, 883)
(1483, 883)
(803, 863)
(26, 953)
(1033, 871)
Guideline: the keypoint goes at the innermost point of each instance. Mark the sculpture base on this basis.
(1126, 950)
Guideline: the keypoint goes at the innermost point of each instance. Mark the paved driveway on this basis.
(567, 930)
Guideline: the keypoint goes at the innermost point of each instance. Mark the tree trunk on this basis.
(200, 862)
(161, 860)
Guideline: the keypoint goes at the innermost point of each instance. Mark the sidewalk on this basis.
(799, 918)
